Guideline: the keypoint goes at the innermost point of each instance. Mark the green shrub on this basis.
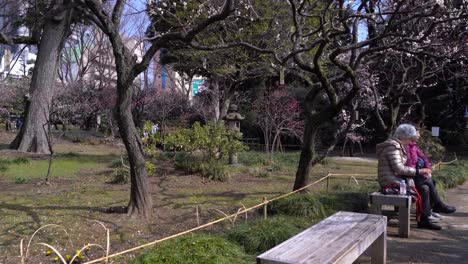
(194, 249)
(452, 138)
(20, 179)
(431, 146)
(215, 141)
(116, 163)
(70, 155)
(263, 174)
(3, 167)
(120, 176)
(356, 201)
(77, 140)
(21, 160)
(261, 235)
(214, 171)
(150, 167)
(453, 174)
(187, 163)
(306, 205)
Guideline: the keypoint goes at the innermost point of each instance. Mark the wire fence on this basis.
(263, 204)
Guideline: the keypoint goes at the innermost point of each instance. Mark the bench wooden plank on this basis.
(341, 238)
(390, 199)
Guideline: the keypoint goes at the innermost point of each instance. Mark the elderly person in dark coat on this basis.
(392, 170)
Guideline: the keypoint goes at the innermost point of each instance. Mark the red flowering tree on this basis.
(279, 114)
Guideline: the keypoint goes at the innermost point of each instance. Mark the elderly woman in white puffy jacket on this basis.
(392, 170)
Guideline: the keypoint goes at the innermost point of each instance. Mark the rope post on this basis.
(265, 203)
(198, 216)
(328, 180)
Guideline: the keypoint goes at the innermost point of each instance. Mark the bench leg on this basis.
(379, 249)
(375, 208)
(404, 221)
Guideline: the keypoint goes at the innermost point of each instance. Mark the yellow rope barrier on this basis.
(205, 225)
(349, 175)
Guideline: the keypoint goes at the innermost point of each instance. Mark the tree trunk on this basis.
(32, 137)
(140, 198)
(307, 154)
(394, 110)
(140, 203)
(216, 99)
(228, 94)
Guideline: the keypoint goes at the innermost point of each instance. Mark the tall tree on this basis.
(327, 48)
(54, 27)
(128, 68)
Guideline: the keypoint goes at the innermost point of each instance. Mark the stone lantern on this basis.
(233, 119)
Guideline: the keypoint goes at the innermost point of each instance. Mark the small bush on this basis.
(194, 249)
(252, 158)
(168, 155)
(116, 163)
(214, 171)
(77, 140)
(453, 174)
(345, 201)
(186, 162)
(3, 167)
(306, 205)
(263, 174)
(452, 138)
(70, 155)
(20, 179)
(120, 176)
(262, 235)
(431, 146)
(150, 167)
(215, 141)
(21, 160)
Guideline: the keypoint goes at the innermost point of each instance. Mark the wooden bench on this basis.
(403, 202)
(340, 238)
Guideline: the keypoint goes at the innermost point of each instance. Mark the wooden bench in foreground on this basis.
(340, 238)
(403, 202)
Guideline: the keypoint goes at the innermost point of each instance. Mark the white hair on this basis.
(405, 131)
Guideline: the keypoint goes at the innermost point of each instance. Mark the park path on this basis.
(449, 245)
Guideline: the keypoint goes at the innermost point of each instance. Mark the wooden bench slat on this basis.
(341, 238)
(397, 200)
(352, 245)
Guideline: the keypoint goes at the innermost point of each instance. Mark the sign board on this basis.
(435, 131)
(196, 85)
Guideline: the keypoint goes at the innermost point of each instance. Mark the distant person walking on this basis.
(154, 129)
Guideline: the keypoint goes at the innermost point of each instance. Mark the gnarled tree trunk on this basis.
(307, 154)
(140, 197)
(33, 135)
(140, 203)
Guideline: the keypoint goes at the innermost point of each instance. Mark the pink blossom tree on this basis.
(279, 114)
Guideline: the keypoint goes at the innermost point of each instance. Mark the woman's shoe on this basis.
(445, 209)
(433, 219)
(428, 225)
(436, 215)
